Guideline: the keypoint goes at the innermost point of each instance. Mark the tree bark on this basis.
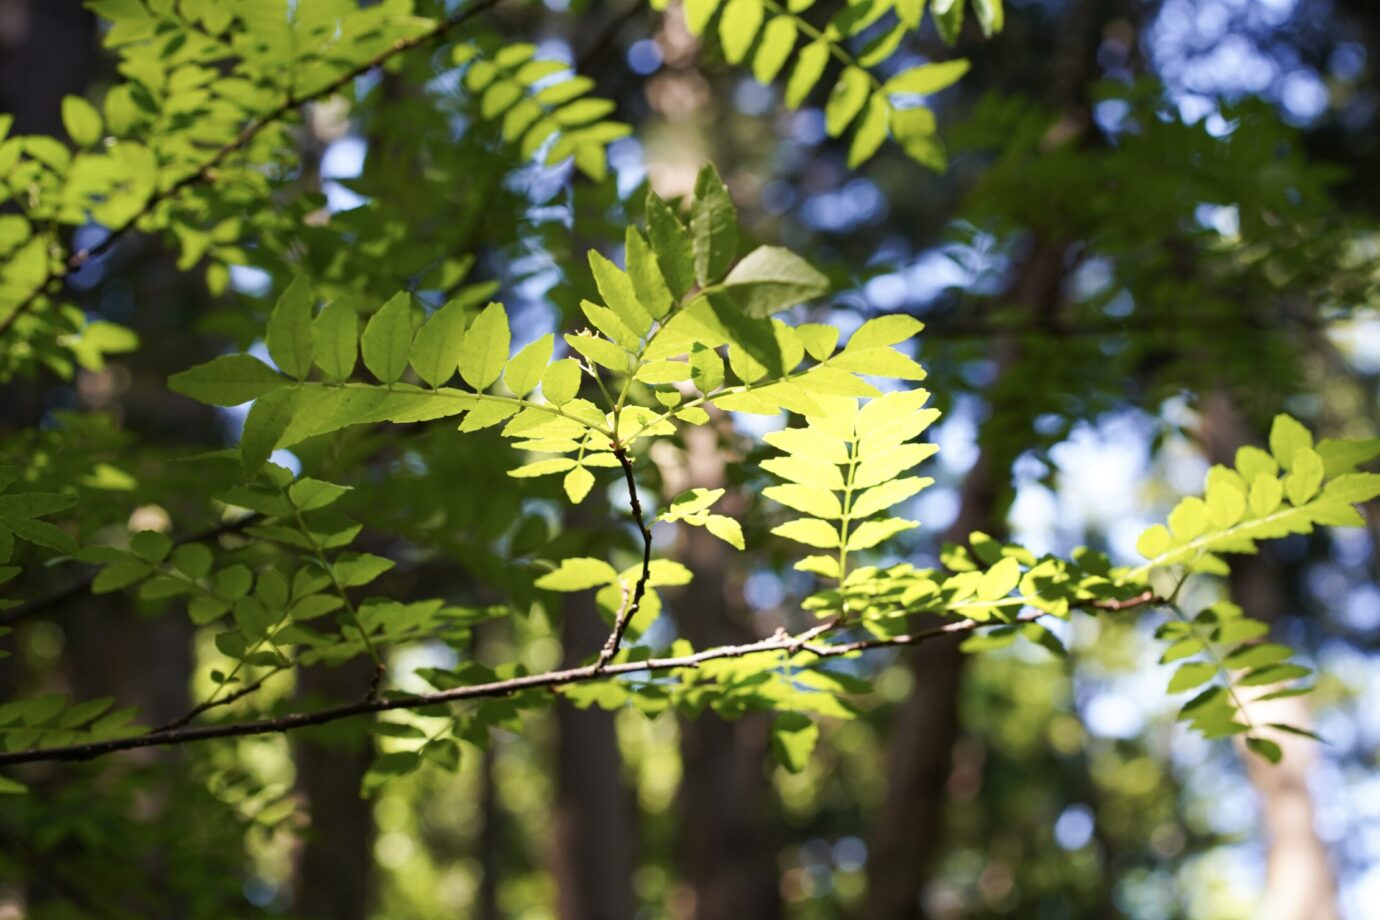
(47, 51)
(593, 845)
(908, 832)
(1299, 882)
(727, 846)
(335, 863)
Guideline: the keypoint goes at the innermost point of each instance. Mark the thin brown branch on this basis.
(197, 710)
(550, 680)
(627, 611)
(205, 173)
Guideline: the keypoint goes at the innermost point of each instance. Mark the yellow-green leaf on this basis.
(738, 27)
(387, 339)
(561, 381)
(810, 531)
(778, 41)
(846, 100)
(524, 372)
(484, 350)
(288, 337)
(82, 121)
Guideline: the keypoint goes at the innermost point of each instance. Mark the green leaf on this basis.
(543, 468)
(714, 227)
(192, 559)
(335, 339)
(1258, 655)
(726, 529)
(1193, 674)
(1188, 519)
(12, 787)
(1305, 476)
(617, 290)
(150, 545)
(809, 67)
(309, 494)
(871, 533)
(1266, 495)
(120, 575)
(289, 338)
(928, 78)
(607, 322)
(698, 13)
(793, 738)
(444, 753)
(948, 20)
(771, 279)
(560, 383)
(1000, 580)
(738, 27)
(884, 330)
(1343, 456)
(524, 372)
(1252, 462)
(881, 497)
(436, 349)
(990, 15)
(664, 372)
(1154, 541)
(690, 502)
(1287, 437)
(672, 243)
(82, 121)
(649, 284)
(806, 472)
(355, 569)
(577, 484)
(811, 532)
(264, 428)
(386, 768)
(387, 339)
(778, 41)
(600, 351)
(484, 351)
(578, 574)
(1265, 748)
(816, 502)
(872, 131)
(1226, 504)
(229, 380)
(846, 100)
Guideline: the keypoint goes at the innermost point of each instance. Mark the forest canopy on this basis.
(697, 459)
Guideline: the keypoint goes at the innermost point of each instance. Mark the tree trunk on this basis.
(727, 847)
(335, 863)
(909, 829)
(1299, 882)
(47, 51)
(908, 832)
(593, 845)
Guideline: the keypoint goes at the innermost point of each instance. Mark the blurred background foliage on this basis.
(1156, 230)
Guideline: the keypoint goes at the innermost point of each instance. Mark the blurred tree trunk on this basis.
(908, 832)
(490, 839)
(593, 846)
(1299, 882)
(727, 849)
(335, 863)
(47, 51)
